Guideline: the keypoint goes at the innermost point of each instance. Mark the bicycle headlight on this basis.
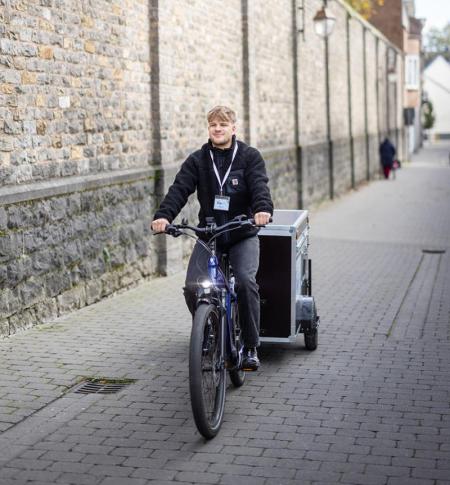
(205, 284)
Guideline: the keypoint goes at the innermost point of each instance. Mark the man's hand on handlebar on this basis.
(159, 225)
(262, 218)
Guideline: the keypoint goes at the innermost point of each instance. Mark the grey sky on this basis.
(437, 12)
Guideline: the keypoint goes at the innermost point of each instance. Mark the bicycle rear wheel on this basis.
(207, 376)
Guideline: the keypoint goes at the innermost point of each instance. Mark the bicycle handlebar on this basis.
(175, 230)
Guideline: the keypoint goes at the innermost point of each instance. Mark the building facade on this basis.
(436, 87)
(396, 19)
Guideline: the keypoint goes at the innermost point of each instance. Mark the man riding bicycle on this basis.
(230, 179)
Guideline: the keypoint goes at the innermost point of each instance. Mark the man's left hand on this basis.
(262, 218)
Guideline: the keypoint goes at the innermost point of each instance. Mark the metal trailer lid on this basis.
(286, 222)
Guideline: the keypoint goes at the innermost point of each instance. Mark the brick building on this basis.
(100, 102)
(396, 19)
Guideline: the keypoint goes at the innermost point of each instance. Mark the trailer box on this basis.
(284, 279)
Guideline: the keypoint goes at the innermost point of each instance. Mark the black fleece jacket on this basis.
(246, 186)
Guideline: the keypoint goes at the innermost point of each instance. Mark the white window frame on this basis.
(412, 71)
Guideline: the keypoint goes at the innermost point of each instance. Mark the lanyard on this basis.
(222, 182)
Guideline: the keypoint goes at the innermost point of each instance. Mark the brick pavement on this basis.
(370, 406)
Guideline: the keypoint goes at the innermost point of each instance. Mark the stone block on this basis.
(10, 76)
(43, 261)
(147, 266)
(21, 321)
(7, 88)
(41, 127)
(56, 283)
(71, 300)
(18, 217)
(84, 268)
(46, 52)
(46, 310)
(3, 276)
(28, 77)
(72, 253)
(40, 100)
(130, 277)
(12, 127)
(64, 102)
(110, 283)
(89, 46)
(58, 208)
(116, 257)
(10, 245)
(19, 270)
(130, 254)
(74, 273)
(5, 296)
(142, 247)
(3, 219)
(73, 202)
(32, 240)
(76, 152)
(6, 143)
(31, 292)
(4, 328)
(93, 292)
(125, 235)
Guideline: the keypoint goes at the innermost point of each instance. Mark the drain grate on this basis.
(102, 386)
(433, 251)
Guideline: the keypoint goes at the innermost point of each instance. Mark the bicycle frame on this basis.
(219, 290)
(222, 294)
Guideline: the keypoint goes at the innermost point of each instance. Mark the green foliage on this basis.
(437, 42)
(365, 7)
(428, 117)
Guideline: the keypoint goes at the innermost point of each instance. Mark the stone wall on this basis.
(74, 88)
(70, 244)
(100, 102)
(271, 77)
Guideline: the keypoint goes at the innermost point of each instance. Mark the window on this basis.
(412, 71)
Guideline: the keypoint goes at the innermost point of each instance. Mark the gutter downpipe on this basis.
(366, 108)
(298, 148)
(350, 120)
(328, 112)
(155, 116)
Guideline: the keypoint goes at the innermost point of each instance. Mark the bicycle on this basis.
(215, 343)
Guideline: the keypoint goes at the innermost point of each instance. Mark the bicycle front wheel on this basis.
(207, 378)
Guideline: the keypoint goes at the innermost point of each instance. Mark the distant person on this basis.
(387, 155)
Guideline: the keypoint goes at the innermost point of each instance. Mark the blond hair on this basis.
(223, 113)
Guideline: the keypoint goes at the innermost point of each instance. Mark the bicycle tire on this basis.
(207, 377)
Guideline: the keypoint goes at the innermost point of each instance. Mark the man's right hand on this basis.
(159, 225)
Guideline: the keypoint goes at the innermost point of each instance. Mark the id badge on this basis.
(221, 203)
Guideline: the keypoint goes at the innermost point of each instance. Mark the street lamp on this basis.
(323, 25)
(324, 22)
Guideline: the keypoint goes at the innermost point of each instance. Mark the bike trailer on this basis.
(285, 280)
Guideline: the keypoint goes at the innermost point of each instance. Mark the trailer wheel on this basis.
(311, 339)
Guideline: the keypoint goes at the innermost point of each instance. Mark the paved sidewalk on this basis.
(370, 406)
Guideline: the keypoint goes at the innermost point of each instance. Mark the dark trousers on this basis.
(244, 259)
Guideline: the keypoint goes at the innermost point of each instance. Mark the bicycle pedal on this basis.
(250, 369)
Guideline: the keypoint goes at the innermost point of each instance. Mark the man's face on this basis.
(221, 132)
